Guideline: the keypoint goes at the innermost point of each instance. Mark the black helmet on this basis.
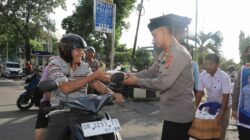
(68, 43)
(90, 48)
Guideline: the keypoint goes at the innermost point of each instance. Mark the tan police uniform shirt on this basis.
(175, 84)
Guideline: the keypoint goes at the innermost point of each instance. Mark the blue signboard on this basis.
(103, 13)
(41, 52)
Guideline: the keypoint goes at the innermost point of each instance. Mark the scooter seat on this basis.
(92, 103)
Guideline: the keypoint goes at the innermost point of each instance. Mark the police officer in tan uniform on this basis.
(180, 29)
(172, 75)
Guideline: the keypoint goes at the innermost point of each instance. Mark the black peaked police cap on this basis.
(158, 22)
(170, 20)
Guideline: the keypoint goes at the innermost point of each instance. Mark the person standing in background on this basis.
(28, 67)
(90, 58)
(94, 64)
(218, 86)
(238, 96)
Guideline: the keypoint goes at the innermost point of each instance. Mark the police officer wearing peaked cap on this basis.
(179, 26)
(171, 74)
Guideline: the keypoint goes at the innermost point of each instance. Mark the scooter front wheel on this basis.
(111, 136)
(24, 101)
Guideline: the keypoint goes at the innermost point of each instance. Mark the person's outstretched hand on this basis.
(118, 98)
(101, 75)
(130, 80)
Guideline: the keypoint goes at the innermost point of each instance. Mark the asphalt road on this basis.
(139, 120)
(14, 124)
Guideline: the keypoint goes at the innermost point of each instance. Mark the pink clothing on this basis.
(45, 76)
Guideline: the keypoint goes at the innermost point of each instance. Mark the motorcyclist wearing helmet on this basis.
(90, 58)
(71, 73)
(73, 76)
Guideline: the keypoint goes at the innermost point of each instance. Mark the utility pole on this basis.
(7, 51)
(196, 22)
(112, 56)
(139, 7)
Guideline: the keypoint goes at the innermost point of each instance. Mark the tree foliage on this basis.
(143, 59)
(244, 42)
(206, 43)
(224, 64)
(9, 38)
(36, 45)
(81, 23)
(122, 54)
(27, 17)
(123, 57)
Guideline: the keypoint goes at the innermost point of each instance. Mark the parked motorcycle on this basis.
(80, 119)
(32, 95)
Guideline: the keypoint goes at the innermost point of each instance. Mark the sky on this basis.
(227, 16)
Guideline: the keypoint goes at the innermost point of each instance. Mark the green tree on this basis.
(143, 59)
(206, 43)
(81, 21)
(54, 45)
(224, 64)
(29, 16)
(244, 42)
(122, 54)
(9, 38)
(36, 45)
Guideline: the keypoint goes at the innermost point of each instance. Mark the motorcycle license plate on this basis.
(100, 127)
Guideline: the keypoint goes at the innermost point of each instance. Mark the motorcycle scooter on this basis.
(85, 122)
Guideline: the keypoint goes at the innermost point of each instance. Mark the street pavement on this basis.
(14, 124)
(139, 120)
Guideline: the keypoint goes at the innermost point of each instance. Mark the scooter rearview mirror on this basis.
(117, 77)
(48, 85)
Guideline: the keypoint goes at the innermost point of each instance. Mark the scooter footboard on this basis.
(66, 126)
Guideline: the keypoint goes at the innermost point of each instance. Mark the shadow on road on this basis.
(17, 113)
